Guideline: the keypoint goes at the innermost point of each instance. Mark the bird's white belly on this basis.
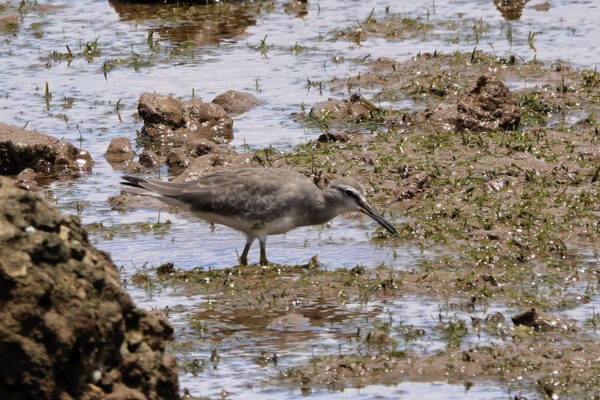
(275, 227)
(280, 225)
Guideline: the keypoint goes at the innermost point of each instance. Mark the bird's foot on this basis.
(243, 261)
(264, 261)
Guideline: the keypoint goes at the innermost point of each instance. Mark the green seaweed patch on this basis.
(110, 230)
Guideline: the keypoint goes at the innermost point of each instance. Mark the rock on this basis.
(487, 106)
(541, 321)
(170, 122)
(119, 151)
(511, 10)
(149, 159)
(178, 160)
(208, 121)
(356, 107)
(211, 163)
(234, 102)
(133, 167)
(20, 148)
(157, 108)
(200, 147)
(26, 180)
(333, 137)
(69, 330)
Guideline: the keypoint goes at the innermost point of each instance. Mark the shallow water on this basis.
(190, 60)
(436, 390)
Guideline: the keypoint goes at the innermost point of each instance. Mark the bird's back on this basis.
(265, 200)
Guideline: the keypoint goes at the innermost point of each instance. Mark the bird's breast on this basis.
(276, 226)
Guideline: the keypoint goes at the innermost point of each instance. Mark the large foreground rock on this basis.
(68, 330)
(20, 149)
(168, 121)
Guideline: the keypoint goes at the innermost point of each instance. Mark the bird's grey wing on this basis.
(236, 196)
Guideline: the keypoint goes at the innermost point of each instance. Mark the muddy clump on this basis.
(413, 186)
(487, 106)
(234, 102)
(541, 321)
(69, 330)
(333, 137)
(356, 108)
(168, 121)
(394, 26)
(20, 149)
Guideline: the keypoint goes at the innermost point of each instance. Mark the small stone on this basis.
(26, 180)
(133, 167)
(157, 108)
(119, 151)
(200, 147)
(333, 137)
(234, 102)
(177, 159)
(149, 159)
(541, 321)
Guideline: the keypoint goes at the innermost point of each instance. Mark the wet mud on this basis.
(491, 196)
(487, 162)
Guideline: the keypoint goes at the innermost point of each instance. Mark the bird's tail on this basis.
(132, 180)
(132, 184)
(153, 187)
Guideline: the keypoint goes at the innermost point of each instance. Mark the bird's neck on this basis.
(325, 210)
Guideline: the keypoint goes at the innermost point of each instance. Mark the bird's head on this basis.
(349, 195)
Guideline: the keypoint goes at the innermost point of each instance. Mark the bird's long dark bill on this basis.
(380, 220)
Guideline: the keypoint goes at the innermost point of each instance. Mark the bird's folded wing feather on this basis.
(239, 198)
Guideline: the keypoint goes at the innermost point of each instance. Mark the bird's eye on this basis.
(349, 193)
